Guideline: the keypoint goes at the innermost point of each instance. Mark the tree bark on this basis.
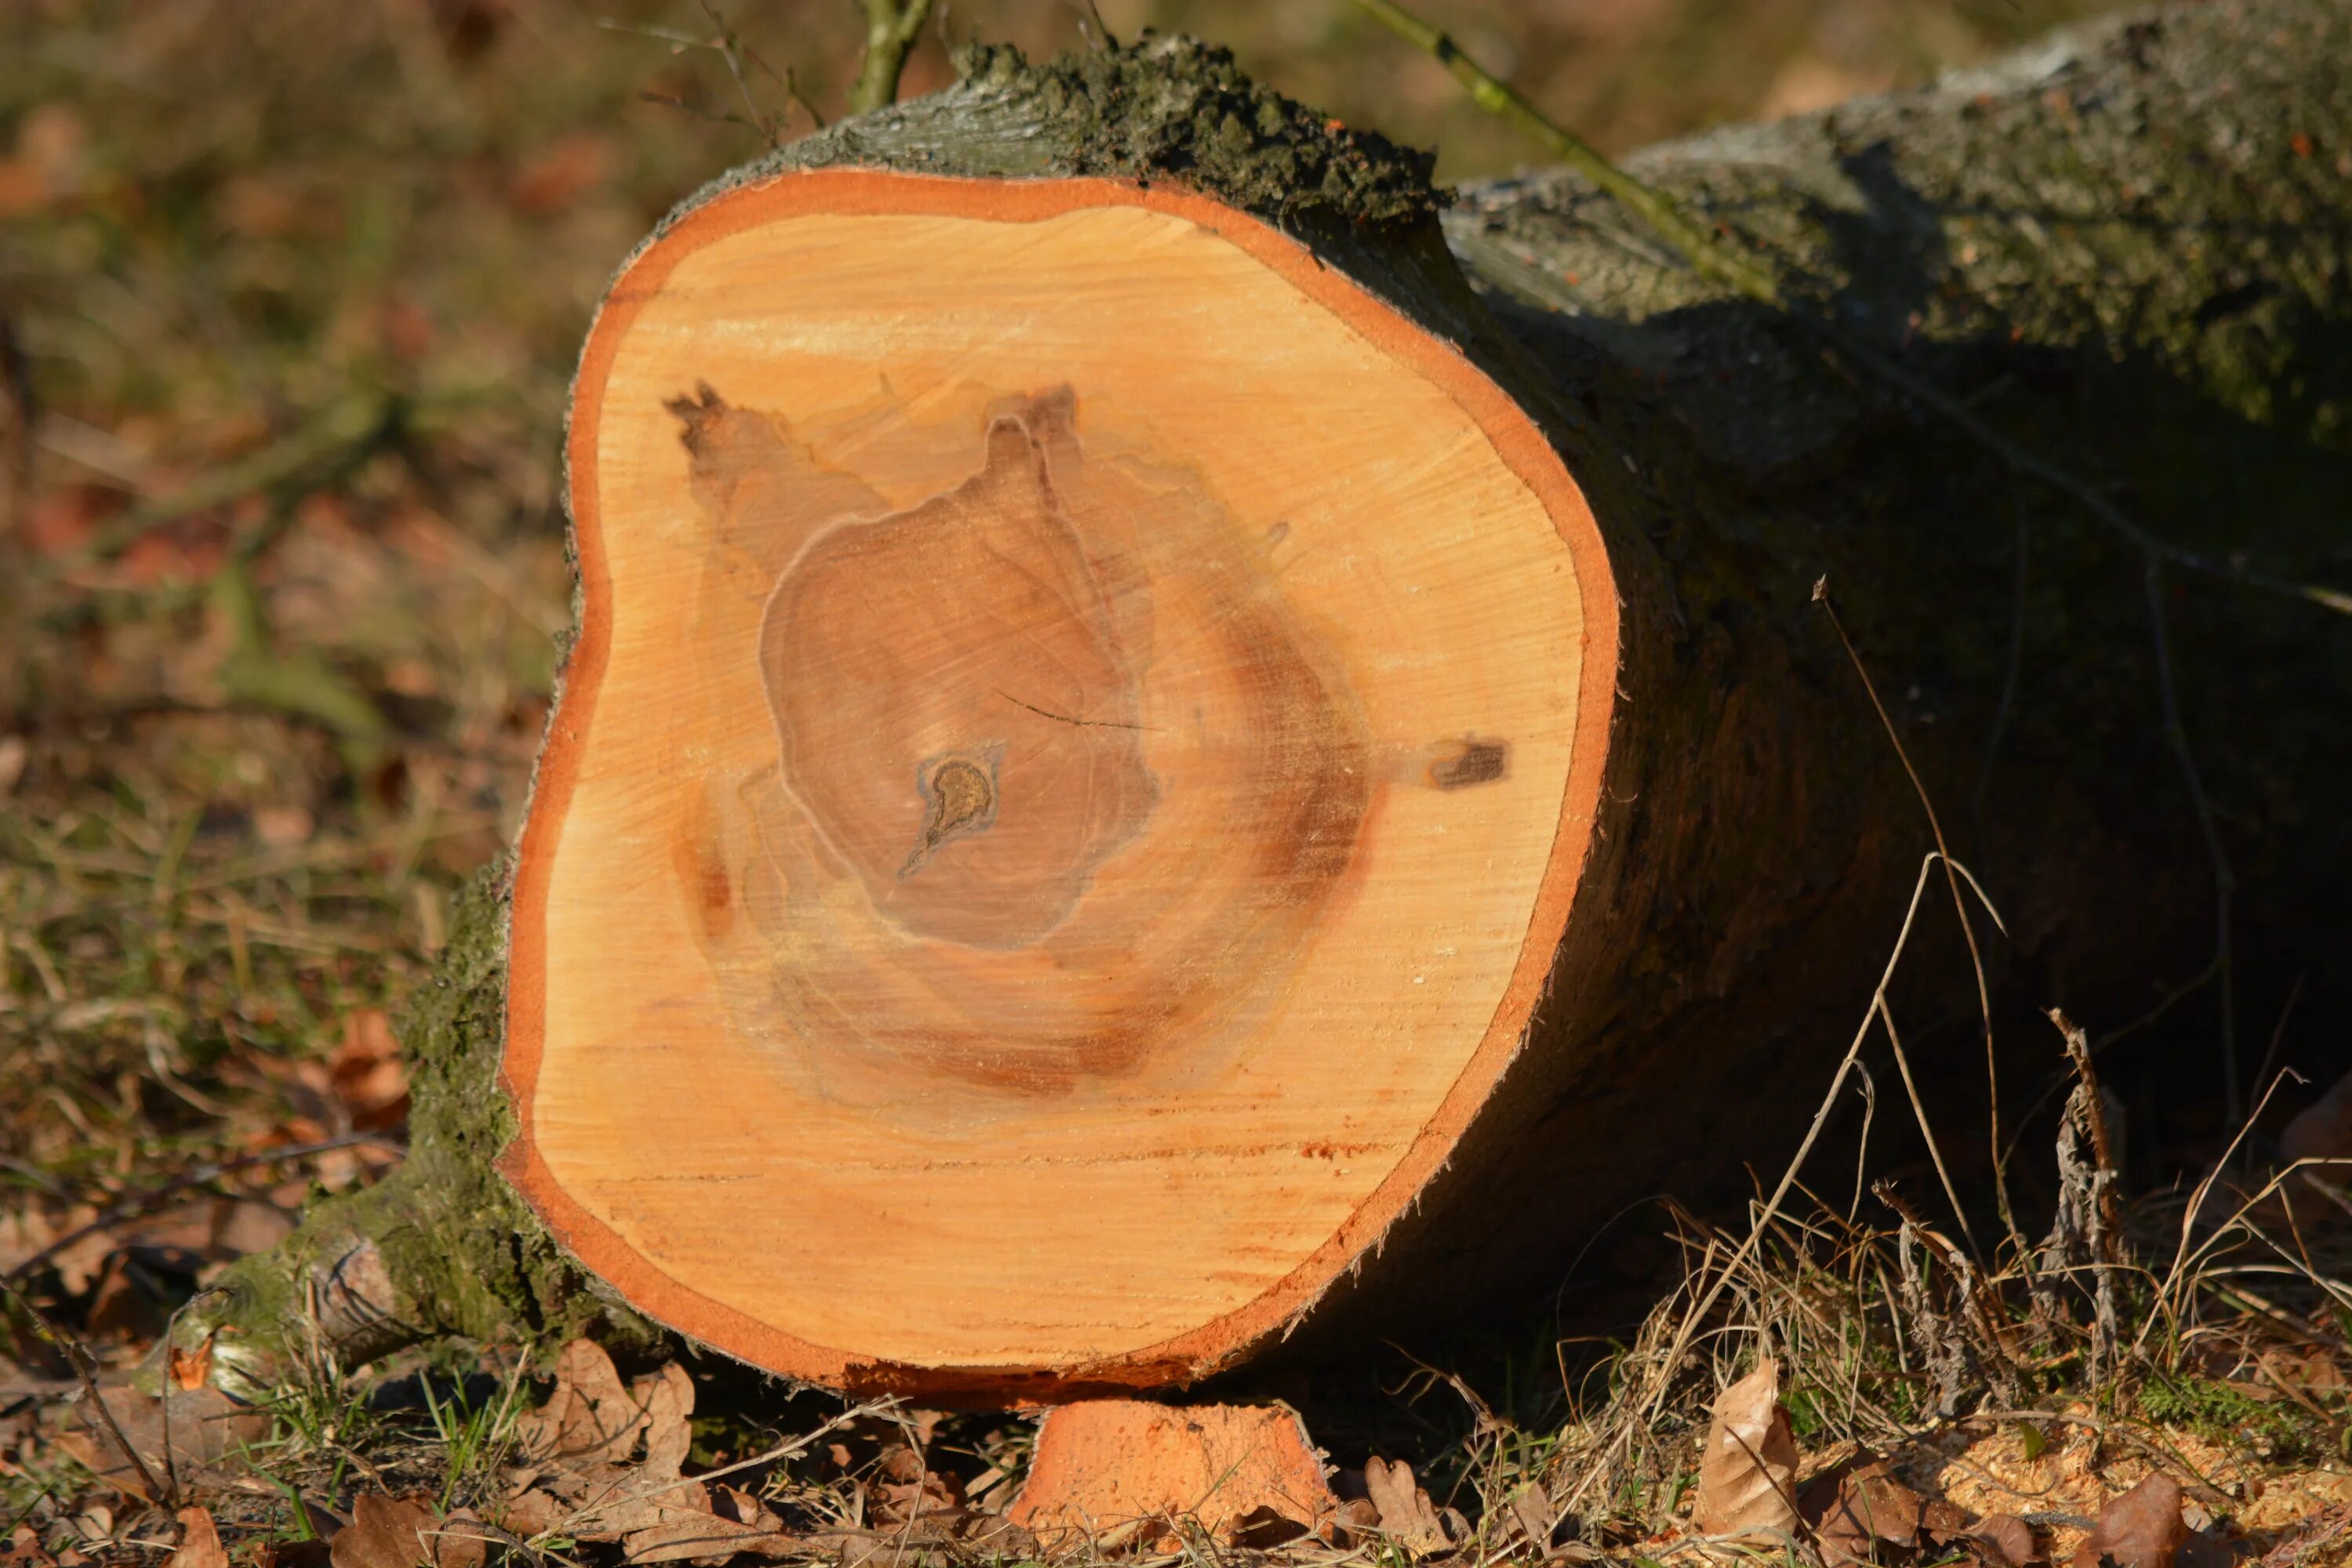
(2121, 252)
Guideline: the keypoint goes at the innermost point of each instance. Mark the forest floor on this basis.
(288, 298)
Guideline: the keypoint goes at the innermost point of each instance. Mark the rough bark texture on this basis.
(2124, 247)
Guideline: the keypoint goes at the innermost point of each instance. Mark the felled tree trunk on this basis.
(1168, 744)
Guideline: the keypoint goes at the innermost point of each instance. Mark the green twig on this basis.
(1706, 254)
(891, 29)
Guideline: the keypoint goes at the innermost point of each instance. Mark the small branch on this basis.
(728, 44)
(1704, 253)
(2015, 668)
(891, 28)
(1653, 1397)
(78, 1359)
(2225, 882)
(1967, 926)
(202, 1175)
(1920, 1111)
(1953, 412)
(733, 55)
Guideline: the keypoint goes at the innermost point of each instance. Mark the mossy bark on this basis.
(442, 1245)
(2124, 247)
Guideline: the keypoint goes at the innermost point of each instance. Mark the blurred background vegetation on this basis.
(289, 295)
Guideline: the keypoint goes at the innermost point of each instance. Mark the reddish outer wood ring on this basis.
(1516, 439)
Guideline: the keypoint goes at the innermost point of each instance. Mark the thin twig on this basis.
(79, 1360)
(883, 1407)
(1714, 259)
(2278, 1031)
(2225, 883)
(727, 40)
(2062, 1079)
(332, 443)
(1967, 926)
(202, 1175)
(1498, 96)
(892, 28)
(1957, 413)
(2013, 668)
(732, 53)
(1862, 1147)
(1920, 1111)
(1687, 1332)
(2182, 1257)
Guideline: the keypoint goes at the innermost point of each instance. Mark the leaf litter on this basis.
(1747, 1477)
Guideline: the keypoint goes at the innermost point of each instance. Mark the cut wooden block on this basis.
(1070, 782)
(1106, 1470)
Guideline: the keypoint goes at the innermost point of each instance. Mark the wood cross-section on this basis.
(1072, 776)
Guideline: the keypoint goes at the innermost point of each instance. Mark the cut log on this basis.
(1138, 771)
(1068, 790)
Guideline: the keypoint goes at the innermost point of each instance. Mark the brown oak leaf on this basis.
(1746, 1475)
(2141, 1529)
(200, 1543)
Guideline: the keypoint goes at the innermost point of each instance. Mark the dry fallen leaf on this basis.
(1407, 1517)
(1858, 1505)
(2008, 1536)
(207, 1427)
(1534, 1518)
(582, 1471)
(367, 1073)
(403, 1533)
(1358, 1520)
(2141, 1529)
(1746, 1475)
(386, 1533)
(465, 1541)
(200, 1543)
(1263, 1529)
(23, 1550)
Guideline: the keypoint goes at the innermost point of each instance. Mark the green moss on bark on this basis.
(459, 1252)
(1166, 109)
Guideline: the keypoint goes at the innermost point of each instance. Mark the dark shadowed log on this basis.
(1163, 748)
